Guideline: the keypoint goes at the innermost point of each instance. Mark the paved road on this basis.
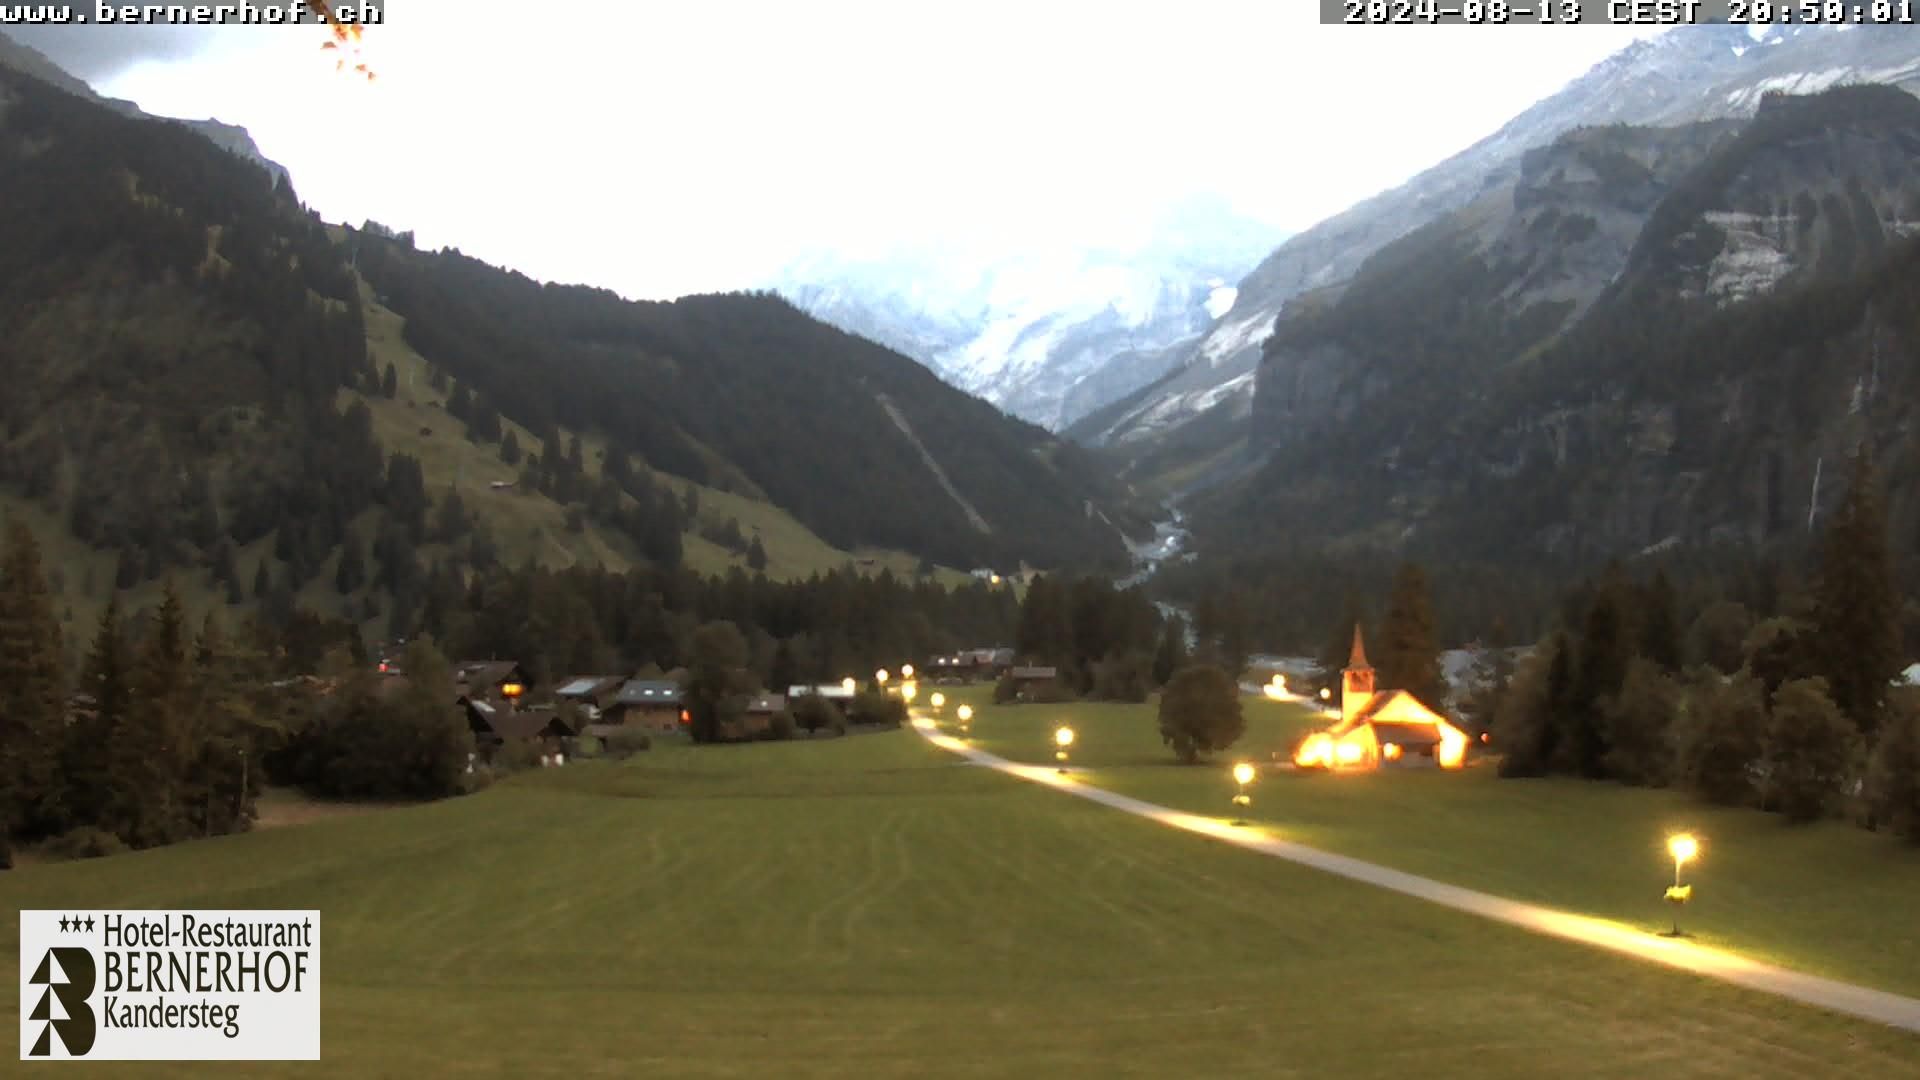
(1860, 1001)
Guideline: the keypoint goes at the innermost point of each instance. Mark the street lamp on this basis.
(906, 671)
(1243, 774)
(1682, 846)
(909, 691)
(1062, 738)
(938, 701)
(965, 713)
(847, 684)
(881, 678)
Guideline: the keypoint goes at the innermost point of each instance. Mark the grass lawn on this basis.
(1829, 899)
(868, 906)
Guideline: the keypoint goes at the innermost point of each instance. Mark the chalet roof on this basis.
(485, 672)
(587, 685)
(1035, 673)
(519, 725)
(1357, 659)
(834, 691)
(649, 692)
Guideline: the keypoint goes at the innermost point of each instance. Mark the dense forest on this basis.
(172, 332)
(747, 392)
(179, 335)
(1793, 706)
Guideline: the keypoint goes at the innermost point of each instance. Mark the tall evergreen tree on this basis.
(32, 690)
(390, 383)
(1856, 604)
(86, 756)
(153, 744)
(1409, 651)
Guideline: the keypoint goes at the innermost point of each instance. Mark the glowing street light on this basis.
(1326, 693)
(965, 713)
(938, 701)
(1682, 846)
(909, 691)
(881, 678)
(1243, 774)
(847, 684)
(906, 671)
(1062, 738)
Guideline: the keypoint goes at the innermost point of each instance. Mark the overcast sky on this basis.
(660, 149)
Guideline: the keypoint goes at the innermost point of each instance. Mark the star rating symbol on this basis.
(74, 924)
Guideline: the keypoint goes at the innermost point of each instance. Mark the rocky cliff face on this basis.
(1689, 75)
(1482, 285)
(1534, 375)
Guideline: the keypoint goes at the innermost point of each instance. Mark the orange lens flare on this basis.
(346, 39)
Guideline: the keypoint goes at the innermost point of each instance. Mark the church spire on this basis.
(1357, 661)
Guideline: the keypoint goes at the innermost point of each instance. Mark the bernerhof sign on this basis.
(169, 985)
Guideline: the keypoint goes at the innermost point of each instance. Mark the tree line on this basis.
(1795, 709)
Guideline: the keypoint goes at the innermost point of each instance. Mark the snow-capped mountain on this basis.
(1688, 74)
(1047, 335)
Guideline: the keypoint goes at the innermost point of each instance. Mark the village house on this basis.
(591, 694)
(1376, 728)
(756, 716)
(495, 724)
(652, 704)
(491, 680)
(1032, 681)
(968, 665)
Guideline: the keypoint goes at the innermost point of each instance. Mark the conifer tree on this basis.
(32, 690)
(153, 744)
(1409, 652)
(223, 776)
(1856, 616)
(390, 382)
(86, 751)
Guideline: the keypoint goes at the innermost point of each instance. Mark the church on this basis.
(1384, 727)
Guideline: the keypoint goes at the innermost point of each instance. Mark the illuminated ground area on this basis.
(868, 906)
(1831, 899)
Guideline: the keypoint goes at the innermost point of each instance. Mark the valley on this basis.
(825, 538)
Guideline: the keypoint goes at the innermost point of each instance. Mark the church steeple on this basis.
(1356, 686)
(1357, 660)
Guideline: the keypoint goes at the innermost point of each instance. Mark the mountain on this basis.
(229, 137)
(1656, 341)
(207, 382)
(1049, 336)
(1685, 76)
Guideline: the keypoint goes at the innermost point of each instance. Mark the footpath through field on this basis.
(1840, 997)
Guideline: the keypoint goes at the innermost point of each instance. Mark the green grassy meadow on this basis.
(872, 906)
(1830, 899)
